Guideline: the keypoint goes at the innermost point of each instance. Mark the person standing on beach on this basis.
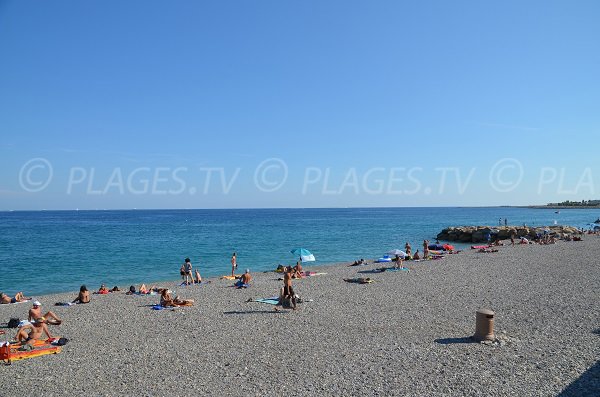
(187, 268)
(233, 264)
(407, 249)
(425, 249)
(505, 222)
(288, 290)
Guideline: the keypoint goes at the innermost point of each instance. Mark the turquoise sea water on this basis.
(54, 251)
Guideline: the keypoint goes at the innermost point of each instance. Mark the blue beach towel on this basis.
(159, 307)
(397, 269)
(269, 301)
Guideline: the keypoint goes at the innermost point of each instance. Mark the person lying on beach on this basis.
(359, 280)
(198, 277)
(244, 281)
(32, 331)
(103, 290)
(131, 291)
(19, 297)
(84, 295)
(115, 289)
(359, 262)
(36, 312)
(166, 300)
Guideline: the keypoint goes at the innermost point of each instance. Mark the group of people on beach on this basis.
(35, 326)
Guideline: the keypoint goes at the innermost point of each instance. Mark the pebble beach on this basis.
(405, 334)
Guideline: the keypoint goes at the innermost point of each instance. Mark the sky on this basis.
(253, 104)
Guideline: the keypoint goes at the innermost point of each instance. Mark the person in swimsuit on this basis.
(244, 281)
(297, 270)
(84, 295)
(166, 300)
(416, 256)
(36, 312)
(19, 297)
(103, 290)
(288, 291)
(198, 277)
(187, 268)
(32, 331)
(233, 264)
(425, 249)
(408, 249)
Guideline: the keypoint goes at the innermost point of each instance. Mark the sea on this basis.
(43, 252)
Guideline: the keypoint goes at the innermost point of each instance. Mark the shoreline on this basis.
(405, 334)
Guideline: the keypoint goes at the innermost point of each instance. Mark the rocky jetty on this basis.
(476, 234)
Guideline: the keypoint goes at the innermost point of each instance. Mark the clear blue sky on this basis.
(363, 92)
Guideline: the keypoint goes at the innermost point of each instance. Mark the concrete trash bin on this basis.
(484, 325)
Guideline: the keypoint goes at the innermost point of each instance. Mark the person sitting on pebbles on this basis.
(83, 296)
(244, 281)
(297, 270)
(36, 312)
(32, 331)
(166, 300)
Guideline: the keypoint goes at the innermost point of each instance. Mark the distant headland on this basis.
(586, 204)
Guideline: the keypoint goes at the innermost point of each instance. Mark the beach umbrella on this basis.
(304, 254)
(397, 252)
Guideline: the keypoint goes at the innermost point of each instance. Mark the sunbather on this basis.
(297, 270)
(84, 295)
(103, 290)
(166, 300)
(36, 312)
(244, 281)
(287, 294)
(19, 297)
(32, 331)
(198, 277)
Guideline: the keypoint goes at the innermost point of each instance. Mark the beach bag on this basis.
(13, 323)
(60, 342)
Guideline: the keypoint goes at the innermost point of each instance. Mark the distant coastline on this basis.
(561, 207)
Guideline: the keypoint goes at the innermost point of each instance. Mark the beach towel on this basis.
(230, 277)
(270, 301)
(159, 307)
(13, 352)
(397, 269)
